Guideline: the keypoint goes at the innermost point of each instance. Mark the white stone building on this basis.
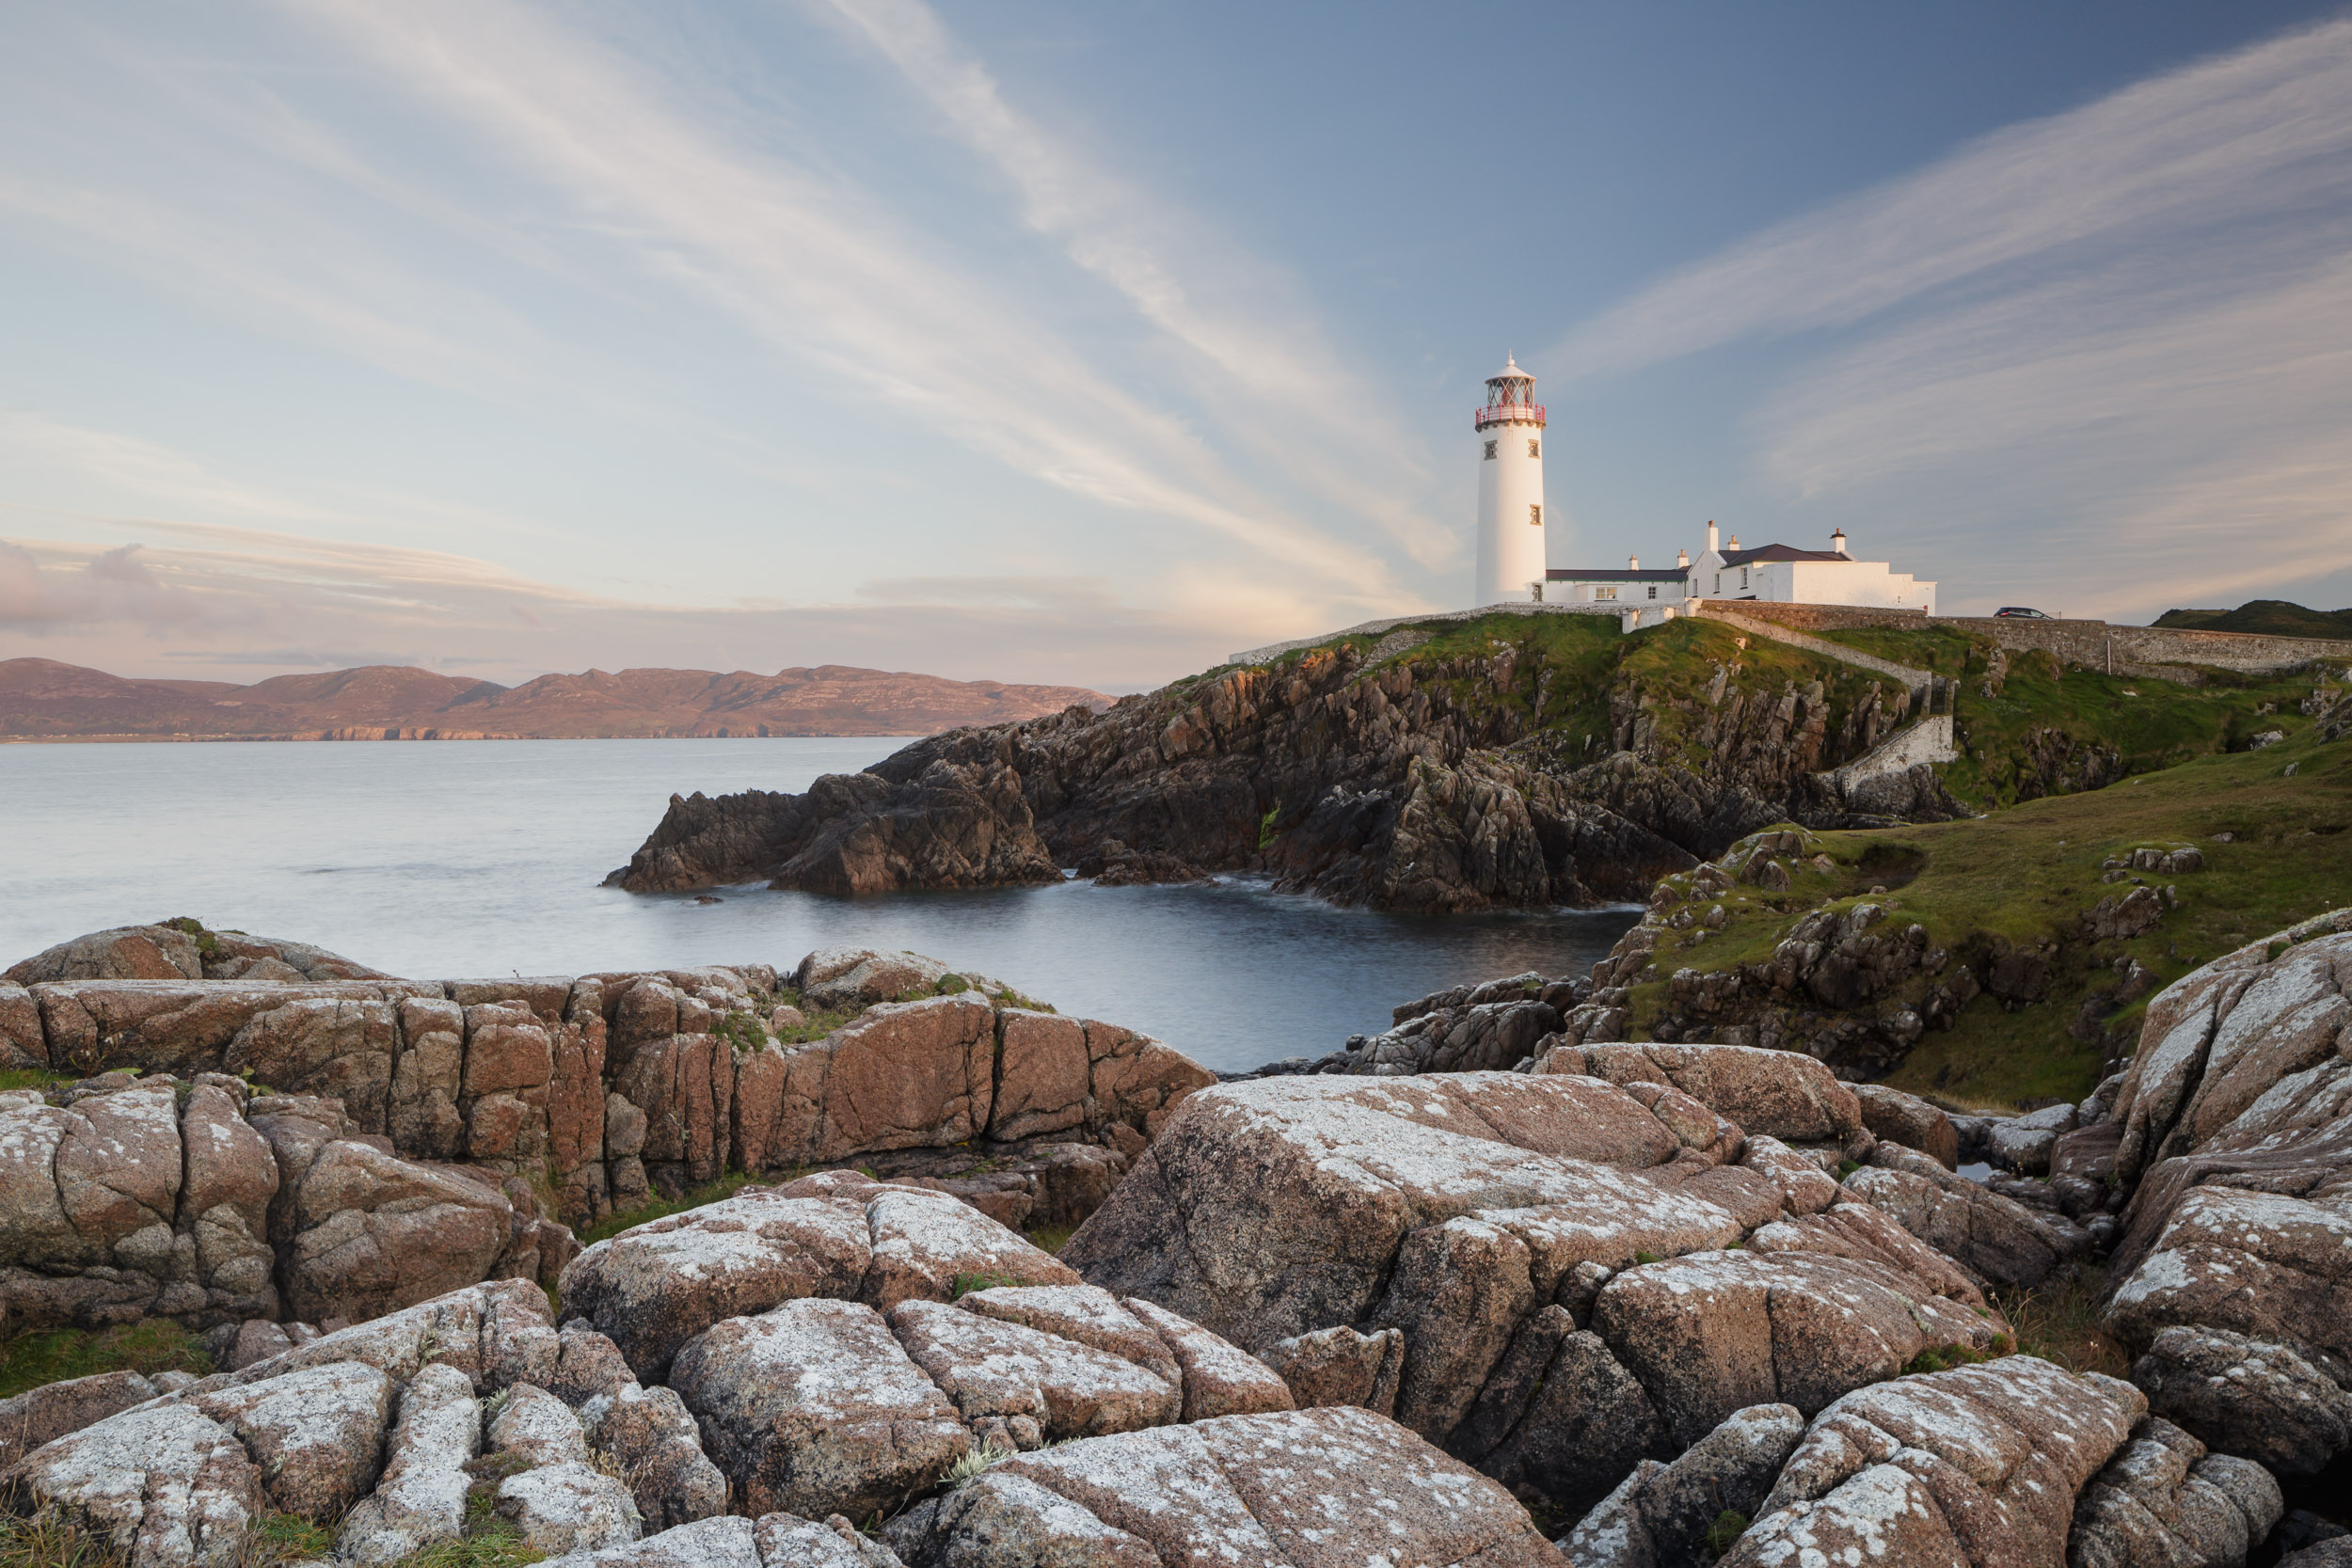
(1780, 573)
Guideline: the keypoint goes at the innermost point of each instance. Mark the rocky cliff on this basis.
(1505, 762)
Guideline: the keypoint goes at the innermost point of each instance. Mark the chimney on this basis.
(1837, 541)
(1632, 562)
(1735, 541)
(1682, 561)
(1710, 536)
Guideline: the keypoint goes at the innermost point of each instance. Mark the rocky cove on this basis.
(1514, 1292)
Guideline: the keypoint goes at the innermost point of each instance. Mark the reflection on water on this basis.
(484, 857)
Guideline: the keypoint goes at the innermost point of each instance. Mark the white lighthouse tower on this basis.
(1510, 491)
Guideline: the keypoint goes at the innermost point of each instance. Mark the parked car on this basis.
(2020, 610)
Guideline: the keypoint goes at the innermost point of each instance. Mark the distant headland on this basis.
(42, 699)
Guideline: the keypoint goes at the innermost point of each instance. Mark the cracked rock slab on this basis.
(166, 1485)
(813, 1408)
(1974, 1469)
(1329, 1488)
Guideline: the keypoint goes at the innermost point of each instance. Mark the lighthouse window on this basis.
(1535, 514)
(1534, 449)
(1491, 450)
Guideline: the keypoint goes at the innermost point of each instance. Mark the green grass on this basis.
(964, 1284)
(2029, 871)
(49, 1355)
(32, 1078)
(661, 1208)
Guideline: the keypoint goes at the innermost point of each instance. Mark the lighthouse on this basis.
(1510, 491)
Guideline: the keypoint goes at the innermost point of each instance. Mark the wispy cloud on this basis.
(2226, 142)
(2105, 356)
(824, 272)
(1246, 331)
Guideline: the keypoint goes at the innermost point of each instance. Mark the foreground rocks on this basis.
(888, 1342)
(311, 1140)
(1688, 1301)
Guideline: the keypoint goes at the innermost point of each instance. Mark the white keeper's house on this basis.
(1781, 573)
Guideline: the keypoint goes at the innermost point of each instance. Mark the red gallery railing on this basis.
(1509, 412)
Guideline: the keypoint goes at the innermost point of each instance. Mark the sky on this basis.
(1038, 341)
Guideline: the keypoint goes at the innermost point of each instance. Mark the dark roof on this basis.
(1780, 552)
(1577, 573)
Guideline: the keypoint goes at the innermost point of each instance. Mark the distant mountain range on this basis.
(2276, 617)
(44, 700)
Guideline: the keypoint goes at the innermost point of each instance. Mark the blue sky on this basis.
(1088, 343)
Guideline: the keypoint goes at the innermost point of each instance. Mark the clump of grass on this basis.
(53, 1539)
(32, 1078)
(283, 1538)
(1052, 1238)
(493, 1548)
(50, 1355)
(972, 1464)
(1729, 1526)
(1847, 1168)
(965, 1284)
(2058, 1321)
(1645, 1257)
(661, 1208)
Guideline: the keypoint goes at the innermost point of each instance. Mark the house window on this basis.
(1653, 592)
(1604, 593)
(1535, 514)
(1744, 577)
(1719, 582)
(1491, 450)
(1534, 447)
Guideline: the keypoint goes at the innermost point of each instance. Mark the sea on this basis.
(462, 859)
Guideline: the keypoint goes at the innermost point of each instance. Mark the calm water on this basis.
(484, 858)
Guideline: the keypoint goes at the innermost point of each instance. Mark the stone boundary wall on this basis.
(1918, 681)
(2140, 651)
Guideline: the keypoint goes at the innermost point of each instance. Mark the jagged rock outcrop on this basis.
(2237, 1149)
(131, 1197)
(185, 950)
(1416, 780)
(1979, 1466)
(400, 1119)
(1584, 1274)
